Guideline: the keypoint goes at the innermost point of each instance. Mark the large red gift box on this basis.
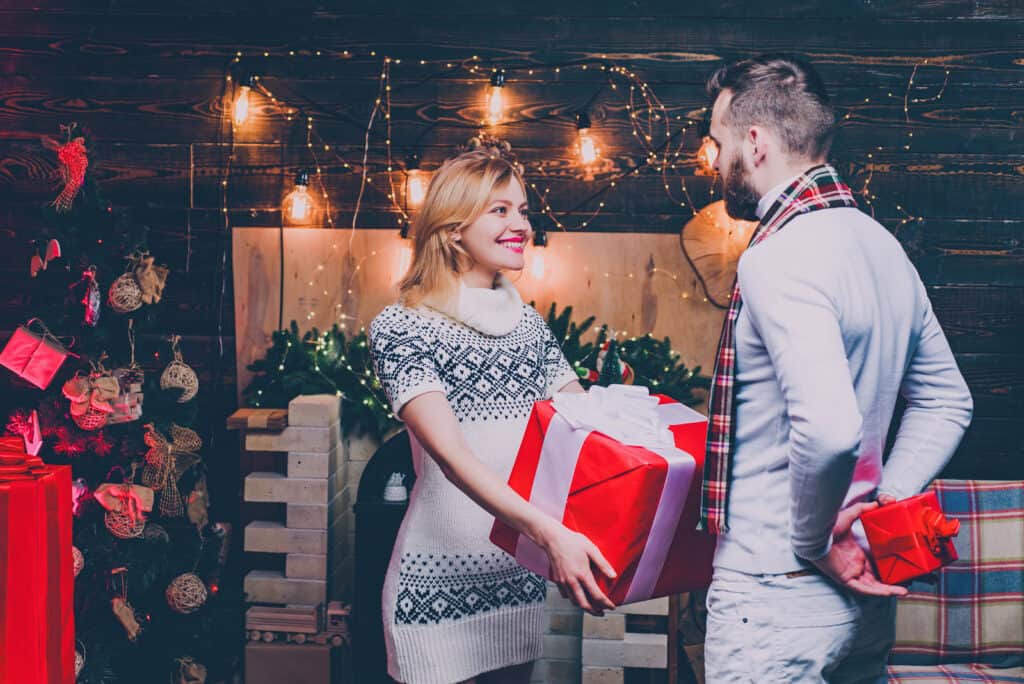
(639, 506)
(910, 538)
(37, 631)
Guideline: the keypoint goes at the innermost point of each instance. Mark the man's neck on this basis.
(779, 180)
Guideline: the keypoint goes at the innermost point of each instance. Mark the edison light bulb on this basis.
(241, 109)
(537, 266)
(588, 149)
(707, 155)
(416, 191)
(298, 205)
(496, 98)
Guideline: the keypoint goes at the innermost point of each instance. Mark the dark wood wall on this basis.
(147, 78)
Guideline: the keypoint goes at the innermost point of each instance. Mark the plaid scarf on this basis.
(818, 188)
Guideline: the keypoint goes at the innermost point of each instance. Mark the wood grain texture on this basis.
(148, 79)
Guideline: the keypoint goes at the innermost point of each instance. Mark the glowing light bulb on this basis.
(241, 108)
(416, 182)
(537, 266)
(707, 155)
(298, 206)
(585, 144)
(496, 98)
(588, 150)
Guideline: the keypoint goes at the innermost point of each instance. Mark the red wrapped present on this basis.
(910, 538)
(633, 488)
(36, 571)
(34, 356)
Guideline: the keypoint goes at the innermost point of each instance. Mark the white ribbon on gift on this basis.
(630, 415)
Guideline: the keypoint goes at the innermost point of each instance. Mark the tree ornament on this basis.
(180, 376)
(198, 504)
(34, 355)
(126, 505)
(92, 300)
(151, 278)
(155, 532)
(186, 594)
(79, 659)
(39, 262)
(166, 462)
(91, 397)
(77, 559)
(609, 355)
(122, 608)
(74, 161)
(190, 672)
(128, 405)
(124, 295)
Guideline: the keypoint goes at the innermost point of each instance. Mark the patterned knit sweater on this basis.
(455, 605)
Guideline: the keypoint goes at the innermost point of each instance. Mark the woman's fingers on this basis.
(596, 595)
(579, 595)
(598, 559)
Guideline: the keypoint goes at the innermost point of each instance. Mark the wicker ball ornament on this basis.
(186, 594)
(156, 533)
(179, 375)
(125, 295)
(92, 419)
(77, 559)
(123, 526)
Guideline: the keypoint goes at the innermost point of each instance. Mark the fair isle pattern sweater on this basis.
(454, 605)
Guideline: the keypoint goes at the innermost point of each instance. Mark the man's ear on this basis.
(758, 144)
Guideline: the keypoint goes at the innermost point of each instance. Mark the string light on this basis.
(496, 98)
(240, 111)
(662, 143)
(298, 205)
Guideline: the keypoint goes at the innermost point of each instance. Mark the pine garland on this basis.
(331, 362)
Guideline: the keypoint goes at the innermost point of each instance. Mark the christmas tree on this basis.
(148, 603)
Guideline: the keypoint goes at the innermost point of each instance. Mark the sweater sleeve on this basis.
(557, 371)
(402, 357)
(939, 409)
(789, 304)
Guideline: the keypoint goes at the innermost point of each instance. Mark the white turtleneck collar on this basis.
(492, 311)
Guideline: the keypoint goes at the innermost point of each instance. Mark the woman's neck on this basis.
(482, 279)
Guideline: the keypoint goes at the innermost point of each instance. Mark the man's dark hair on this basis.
(781, 92)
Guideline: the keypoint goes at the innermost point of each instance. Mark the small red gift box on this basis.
(34, 356)
(639, 505)
(37, 628)
(910, 538)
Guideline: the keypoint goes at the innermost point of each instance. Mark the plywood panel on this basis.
(636, 285)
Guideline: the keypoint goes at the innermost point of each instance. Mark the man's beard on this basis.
(741, 198)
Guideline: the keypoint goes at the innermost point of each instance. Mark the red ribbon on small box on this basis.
(34, 356)
(638, 504)
(910, 538)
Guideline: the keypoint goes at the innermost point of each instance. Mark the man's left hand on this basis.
(847, 564)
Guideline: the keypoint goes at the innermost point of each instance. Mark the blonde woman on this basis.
(462, 360)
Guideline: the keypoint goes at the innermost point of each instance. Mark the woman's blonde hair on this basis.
(457, 196)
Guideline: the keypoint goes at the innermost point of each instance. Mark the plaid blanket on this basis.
(950, 674)
(972, 620)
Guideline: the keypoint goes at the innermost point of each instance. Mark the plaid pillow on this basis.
(975, 613)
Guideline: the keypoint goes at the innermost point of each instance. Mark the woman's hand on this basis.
(573, 559)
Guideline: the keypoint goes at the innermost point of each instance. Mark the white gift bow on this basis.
(626, 413)
(633, 413)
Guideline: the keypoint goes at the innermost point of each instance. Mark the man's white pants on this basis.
(770, 629)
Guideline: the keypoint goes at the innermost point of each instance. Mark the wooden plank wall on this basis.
(147, 78)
